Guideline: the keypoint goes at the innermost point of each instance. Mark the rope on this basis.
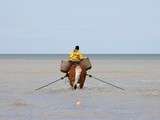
(51, 83)
(105, 82)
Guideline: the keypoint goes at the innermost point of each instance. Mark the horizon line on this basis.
(86, 53)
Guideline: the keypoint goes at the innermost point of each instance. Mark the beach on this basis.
(19, 77)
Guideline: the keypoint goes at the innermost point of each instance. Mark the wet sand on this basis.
(97, 101)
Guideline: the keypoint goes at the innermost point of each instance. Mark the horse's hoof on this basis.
(81, 87)
(75, 87)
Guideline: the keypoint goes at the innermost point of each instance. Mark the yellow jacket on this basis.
(76, 56)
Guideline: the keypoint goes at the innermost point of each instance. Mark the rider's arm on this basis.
(70, 56)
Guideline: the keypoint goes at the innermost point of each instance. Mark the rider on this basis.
(76, 56)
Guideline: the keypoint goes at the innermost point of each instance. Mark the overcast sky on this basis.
(97, 26)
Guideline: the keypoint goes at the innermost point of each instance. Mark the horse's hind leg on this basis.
(75, 87)
(71, 81)
(71, 84)
(82, 80)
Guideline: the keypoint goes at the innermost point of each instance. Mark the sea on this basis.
(138, 74)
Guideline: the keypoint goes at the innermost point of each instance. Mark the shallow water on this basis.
(140, 101)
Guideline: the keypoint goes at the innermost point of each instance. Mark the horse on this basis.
(77, 75)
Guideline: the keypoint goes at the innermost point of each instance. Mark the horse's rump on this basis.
(77, 75)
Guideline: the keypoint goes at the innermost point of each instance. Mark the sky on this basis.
(97, 26)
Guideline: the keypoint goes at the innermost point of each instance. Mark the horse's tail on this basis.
(78, 71)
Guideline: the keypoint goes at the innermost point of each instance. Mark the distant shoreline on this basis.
(92, 56)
